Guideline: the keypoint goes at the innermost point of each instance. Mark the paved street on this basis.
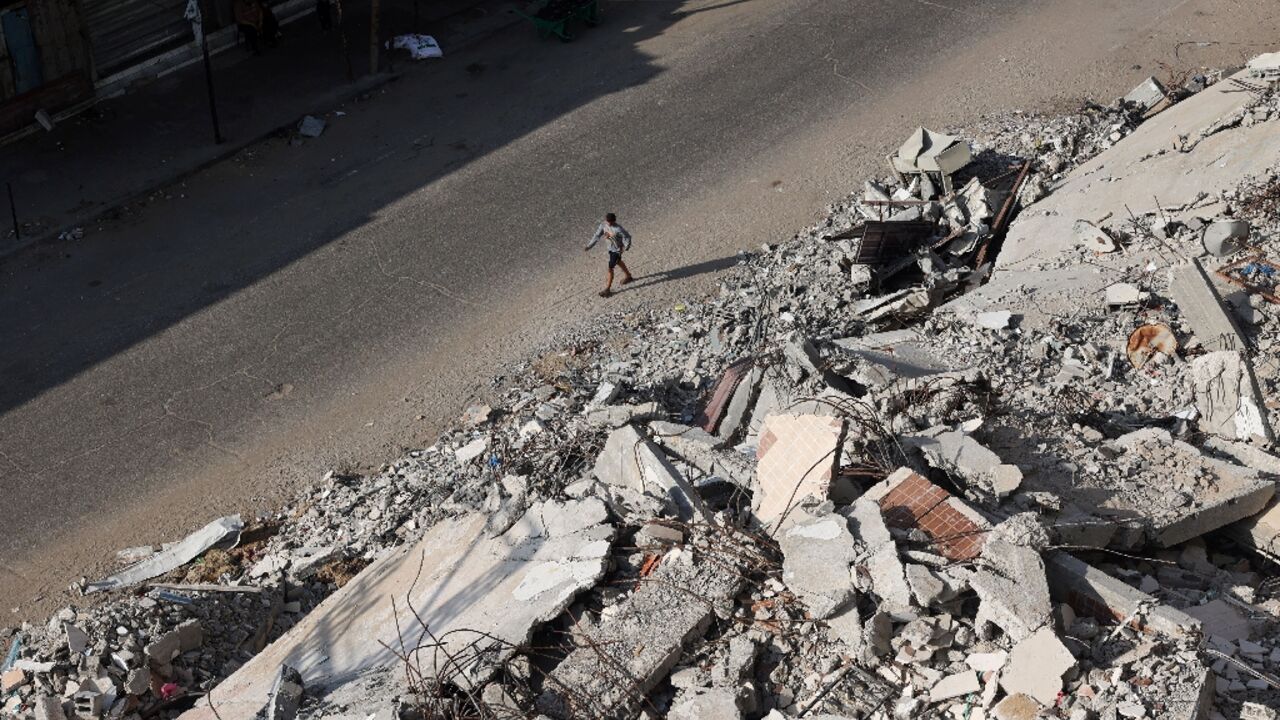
(298, 308)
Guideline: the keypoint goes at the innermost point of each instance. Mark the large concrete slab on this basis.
(457, 581)
(1144, 166)
(635, 646)
(637, 472)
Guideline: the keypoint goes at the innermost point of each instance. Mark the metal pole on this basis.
(373, 38)
(342, 35)
(208, 80)
(13, 211)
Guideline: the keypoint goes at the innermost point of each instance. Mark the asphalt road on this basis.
(299, 308)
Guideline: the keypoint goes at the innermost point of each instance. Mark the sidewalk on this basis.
(124, 148)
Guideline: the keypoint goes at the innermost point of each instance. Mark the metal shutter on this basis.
(127, 32)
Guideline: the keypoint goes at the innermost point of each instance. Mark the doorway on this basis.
(20, 44)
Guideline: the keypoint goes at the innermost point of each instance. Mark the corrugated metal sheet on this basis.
(127, 32)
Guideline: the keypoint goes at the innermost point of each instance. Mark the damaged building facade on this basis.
(925, 460)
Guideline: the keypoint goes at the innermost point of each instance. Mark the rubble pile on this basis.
(900, 466)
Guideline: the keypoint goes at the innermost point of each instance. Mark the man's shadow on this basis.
(688, 271)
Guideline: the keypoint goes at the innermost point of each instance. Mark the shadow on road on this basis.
(68, 306)
(682, 273)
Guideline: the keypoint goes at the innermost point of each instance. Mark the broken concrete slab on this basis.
(48, 708)
(879, 560)
(633, 648)
(222, 533)
(1146, 95)
(911, 502)
(966, 459)
(987, 661)
(717, 703)
(1093, 593)
(816, 554)
(631, 465)
(1260, 532)
(1220, 618)
(1228, 398)
(486, 594)
(1221, 494)
(703, 451)
(926, 587)
(286, 695)
(1013, 589)
(1124, 295)
(797, 458)
(615, 416)
(883, 358)
(471, 450)
(1140, 168)
(964, 682)
(1202, 307)
(1036, 667)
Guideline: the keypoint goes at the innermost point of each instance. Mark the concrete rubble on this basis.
(990, 441)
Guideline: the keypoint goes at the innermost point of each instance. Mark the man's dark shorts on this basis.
(614, 259)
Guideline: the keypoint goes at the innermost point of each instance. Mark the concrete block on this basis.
(190, 635)
(1219, 618)
(47, 708)
(1090, 591)
(1228, 398)
(632, 463)
(704, 451)
(1013, 590)
(1147, 94)
(956, 685)
(635, 646)
(966, 459)
(1201, 306)
(1036, 666)
(615, 416)
(926, 587)
(471, 450)
(816, 555)
(880, 561)
(797, 458)
(138, 681)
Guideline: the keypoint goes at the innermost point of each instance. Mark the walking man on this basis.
(619, 242)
